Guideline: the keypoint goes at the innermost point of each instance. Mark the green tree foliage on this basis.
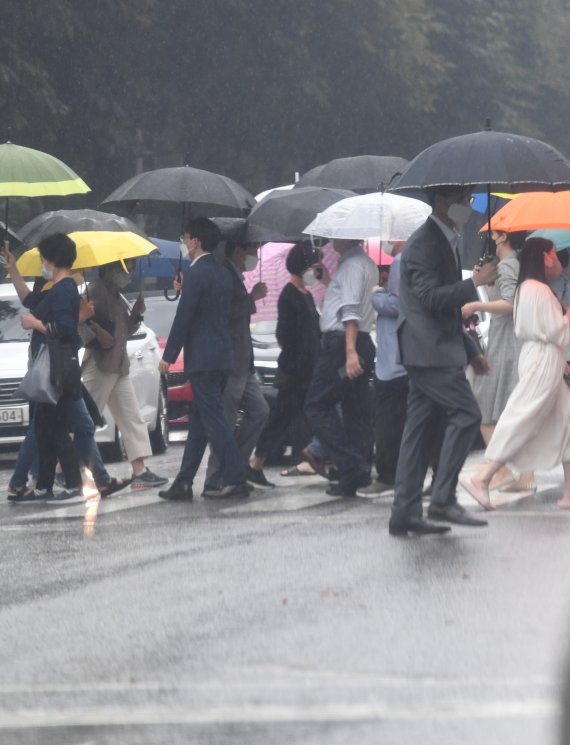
(259, 89)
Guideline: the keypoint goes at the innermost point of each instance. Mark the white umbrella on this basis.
(389, 217)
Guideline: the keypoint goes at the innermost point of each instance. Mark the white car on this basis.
(144, 355)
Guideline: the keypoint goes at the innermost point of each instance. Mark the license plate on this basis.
(12, 416)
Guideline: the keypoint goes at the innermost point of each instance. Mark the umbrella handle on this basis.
(171, 299)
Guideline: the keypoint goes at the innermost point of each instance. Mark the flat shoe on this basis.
(479, 495)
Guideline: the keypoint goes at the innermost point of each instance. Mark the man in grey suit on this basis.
(435, 350)
(242, 392)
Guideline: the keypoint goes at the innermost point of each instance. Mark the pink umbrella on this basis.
(373, 247)
(271, 269)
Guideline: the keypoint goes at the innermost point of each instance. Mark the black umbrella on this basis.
(361, 173)
(492, 161)
(68, 221)
(166, 190)
(283, 215)
(495, 160)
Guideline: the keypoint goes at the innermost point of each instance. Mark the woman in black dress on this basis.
(298, 335)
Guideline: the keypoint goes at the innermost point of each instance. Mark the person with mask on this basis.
(533, 430)
(338, 400)
(435, 351)
(391, 380)
(54, 315)
(298, 335)
(503, 349)
(105, 367)
(201, 328)
(242, 392)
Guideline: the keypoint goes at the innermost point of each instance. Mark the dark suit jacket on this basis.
(201, 323)
(430, 328)
(241, 310)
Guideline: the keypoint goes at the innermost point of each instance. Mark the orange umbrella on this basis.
(534, 210)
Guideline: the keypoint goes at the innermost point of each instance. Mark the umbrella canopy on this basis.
(373, 247)
(272, 270)
(560, 238)
(69, 221)
(94, 248)
(534, 211)
(25, 172)
(386, 216)
(165, 190)
(282, 215)
(361, 173)
(497, 160)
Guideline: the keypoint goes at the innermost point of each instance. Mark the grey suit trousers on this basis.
(433, 389)
(242, 393)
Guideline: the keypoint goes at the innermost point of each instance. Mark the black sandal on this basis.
(112, 486)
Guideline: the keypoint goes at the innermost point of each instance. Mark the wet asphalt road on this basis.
(288, 618)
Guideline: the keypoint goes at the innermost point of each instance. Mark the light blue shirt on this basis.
(387, 304)
(348, 297)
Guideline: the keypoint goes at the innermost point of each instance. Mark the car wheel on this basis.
(113, 452)
(159, 436)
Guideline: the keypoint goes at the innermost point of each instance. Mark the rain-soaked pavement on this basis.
(289, 618)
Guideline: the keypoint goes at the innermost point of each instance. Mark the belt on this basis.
(333, 334)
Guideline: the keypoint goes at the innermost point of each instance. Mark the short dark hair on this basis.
(231, 247)
(206, 231)
(300, 258)
(58, 249)
(443, 190)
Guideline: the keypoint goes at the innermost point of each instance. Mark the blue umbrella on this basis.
(560, 238)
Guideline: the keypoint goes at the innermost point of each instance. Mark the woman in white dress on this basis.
(534, 429)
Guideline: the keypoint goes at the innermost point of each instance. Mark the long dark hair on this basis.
(531, 260)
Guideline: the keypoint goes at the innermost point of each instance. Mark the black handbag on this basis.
(65, 372)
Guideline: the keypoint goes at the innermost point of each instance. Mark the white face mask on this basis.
(387, 248)
(250, 262)
(46, 273)
(459, 213)
(120, 279)
(308, 277)
(183, 250)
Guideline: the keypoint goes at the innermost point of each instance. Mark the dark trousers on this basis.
(432, 390)
(346, 439)
(286, 415)
(54, 443)
(208, 424)
(390, 406)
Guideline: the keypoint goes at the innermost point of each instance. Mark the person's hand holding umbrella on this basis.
(258, 291)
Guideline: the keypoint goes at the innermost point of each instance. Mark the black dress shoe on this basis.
(349, 483)
(454, 513)
(420, 527)
(230, 491)
(177, 492)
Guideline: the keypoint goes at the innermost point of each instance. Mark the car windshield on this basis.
(159, 314)
(10, 326)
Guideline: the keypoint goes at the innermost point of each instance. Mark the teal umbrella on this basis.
(560, 238)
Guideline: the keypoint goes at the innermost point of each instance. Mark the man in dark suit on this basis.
(201, 327)
(435, 350)
(242, 392)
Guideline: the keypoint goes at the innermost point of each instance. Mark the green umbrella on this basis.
(560, 238)
(25, 172)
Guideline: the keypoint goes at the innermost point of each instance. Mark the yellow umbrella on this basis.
(94, 248)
